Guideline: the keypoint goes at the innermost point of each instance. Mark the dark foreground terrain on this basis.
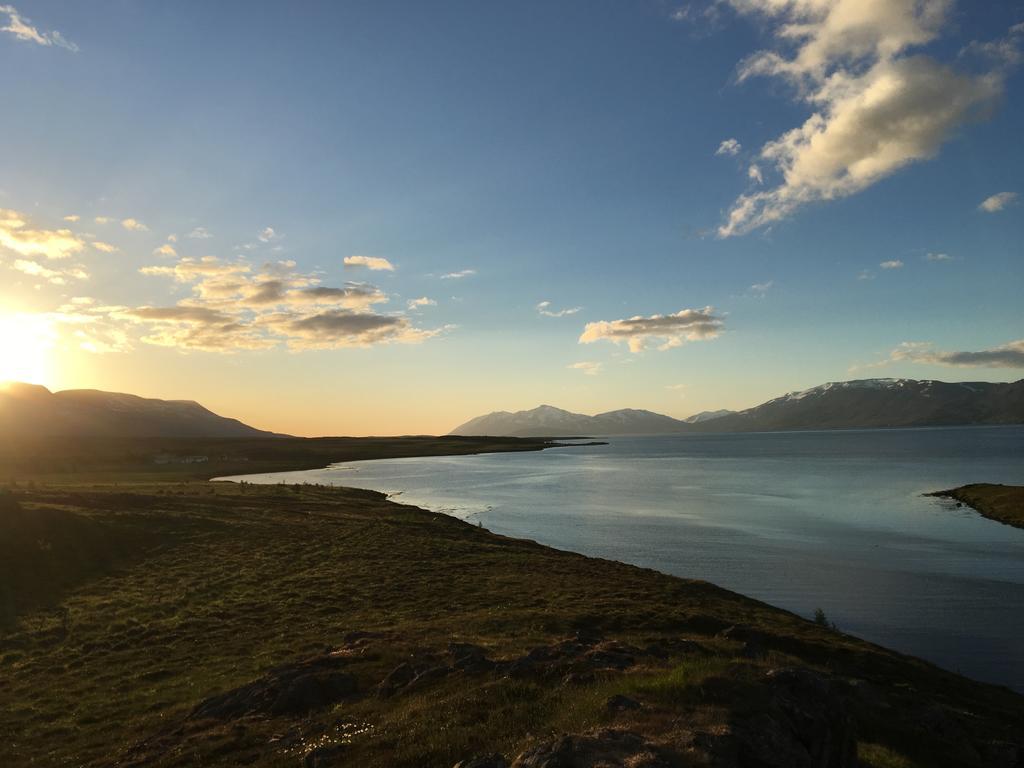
(70, 459)
(187, 623)
(1003, 503)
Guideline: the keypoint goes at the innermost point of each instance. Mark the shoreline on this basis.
(1001, 503)
(198, 459)
(468, 495)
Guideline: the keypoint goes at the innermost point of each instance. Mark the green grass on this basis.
(681, 683)
(167, 593)
(878, 756)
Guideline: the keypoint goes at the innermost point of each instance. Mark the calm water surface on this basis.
(799, 520)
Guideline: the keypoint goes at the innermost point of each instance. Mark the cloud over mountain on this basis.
(1010, 355)
(668, 330)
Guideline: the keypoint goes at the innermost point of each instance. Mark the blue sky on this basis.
(567, 152)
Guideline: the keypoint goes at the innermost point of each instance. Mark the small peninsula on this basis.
(1002, 503)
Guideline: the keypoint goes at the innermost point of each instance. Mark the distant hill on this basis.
(33, 411)
(864, 403)
(546, 420)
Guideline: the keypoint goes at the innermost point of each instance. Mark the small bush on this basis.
(822, 620)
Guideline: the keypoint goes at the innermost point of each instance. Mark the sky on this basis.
(389, 217)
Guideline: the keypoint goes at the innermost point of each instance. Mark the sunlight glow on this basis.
(26, 342)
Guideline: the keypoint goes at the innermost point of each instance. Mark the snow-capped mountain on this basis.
(697, 418)
(870, 403)
(864, 403)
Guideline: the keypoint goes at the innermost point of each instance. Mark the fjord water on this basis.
(801, 520)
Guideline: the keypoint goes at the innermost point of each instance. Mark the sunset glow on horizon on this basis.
(28, 342)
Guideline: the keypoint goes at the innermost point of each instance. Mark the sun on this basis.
(26, 342)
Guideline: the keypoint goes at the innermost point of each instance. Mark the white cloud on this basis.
(729, 147)
(866, 274)
(55, 276)
(422, 301)
(333, 329)
(102, 219)
(671, 330)
(544, 308)
(875, 108)
(72, 218)
(15, 235)
(891, 264)
(85, 325)
(587, 367)
(172, 238)
(237, 306)
(99, 245)
(459, 275)
(374, 263)
(1009, 355)
(22, 29)
(998, 202)
(189, 270)
(200, 233)
(937, 257)
(762, 288)
(267, 234)
(93, 334)
(166, 250)
(134, 225)
(755, 175)
(197, 329)
(833, 34)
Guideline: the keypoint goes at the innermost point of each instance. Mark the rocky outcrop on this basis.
(796, 718)
(575, 661)
(619, 703)
(487, 761)
(598, 750)
(294, 689)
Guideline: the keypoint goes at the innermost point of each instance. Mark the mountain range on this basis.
(29, 410)
(860, 404)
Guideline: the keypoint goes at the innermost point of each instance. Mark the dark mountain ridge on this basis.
(29, 410)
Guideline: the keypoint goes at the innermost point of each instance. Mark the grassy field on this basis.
(188, 623)
(1004, 503)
